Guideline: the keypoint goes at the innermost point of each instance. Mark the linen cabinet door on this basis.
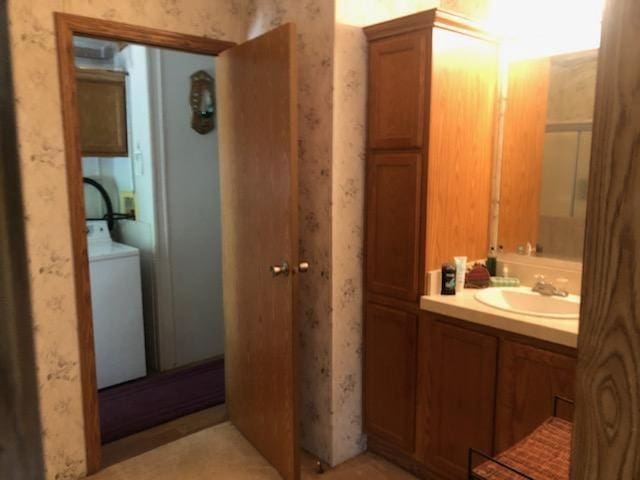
(393, 225)
(397, 73)
(457, 401)
(390, 375)
(528, 380)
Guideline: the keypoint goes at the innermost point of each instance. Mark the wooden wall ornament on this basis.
(202, 101)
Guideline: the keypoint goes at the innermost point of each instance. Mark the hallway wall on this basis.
(193, 199)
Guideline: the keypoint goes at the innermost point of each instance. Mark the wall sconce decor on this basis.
(203, 103)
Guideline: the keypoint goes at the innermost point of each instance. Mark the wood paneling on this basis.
(20, 429)
(393, 224)
(606, 438)
(460, 151)
(102, 112)
(529, 379)
(257, 112)
(525, 120)
(457, 378)
(390, 337)
(397, 91)
(66, 27)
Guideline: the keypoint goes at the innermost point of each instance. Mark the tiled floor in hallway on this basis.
(221, 452)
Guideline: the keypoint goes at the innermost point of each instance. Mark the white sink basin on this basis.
(523, 300)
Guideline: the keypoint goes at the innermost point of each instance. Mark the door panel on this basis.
(390, 375)
(459, 384)
(256, 97)
(398, 68)
(393, 224)
(530, 378)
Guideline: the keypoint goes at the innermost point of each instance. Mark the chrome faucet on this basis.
(548, 289)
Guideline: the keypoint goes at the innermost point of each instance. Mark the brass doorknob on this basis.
(303, 267)
(280, 269)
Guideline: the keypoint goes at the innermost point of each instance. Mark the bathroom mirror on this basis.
(545, 154)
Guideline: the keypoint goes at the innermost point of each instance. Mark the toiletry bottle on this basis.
(460, 264)
(492, 262)
(448, 279)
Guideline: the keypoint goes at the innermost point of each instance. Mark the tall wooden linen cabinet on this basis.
(431, 113)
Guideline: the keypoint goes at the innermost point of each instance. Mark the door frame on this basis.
(66, 26)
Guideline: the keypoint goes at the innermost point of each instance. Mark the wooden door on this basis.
(390, 375)
(256, 97)
(393, 224)
(457, 399)
(528, 380)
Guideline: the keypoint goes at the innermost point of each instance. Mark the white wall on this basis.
(193, 212)
(141, 232)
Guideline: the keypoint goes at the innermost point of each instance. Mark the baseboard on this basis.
(401, 458)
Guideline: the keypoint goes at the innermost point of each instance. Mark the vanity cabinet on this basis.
(436, 386)
(102, 113)
(530, 379)
(390, 338)
(457, 398)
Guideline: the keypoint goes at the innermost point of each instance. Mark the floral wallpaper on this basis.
(314, 20)
(45, 193)
(331, 114)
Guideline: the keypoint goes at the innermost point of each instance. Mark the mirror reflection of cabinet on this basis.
(102, 113)
(546, 152)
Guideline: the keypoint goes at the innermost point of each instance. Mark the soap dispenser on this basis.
(492, 262)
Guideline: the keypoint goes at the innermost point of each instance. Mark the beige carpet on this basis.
(221, 453)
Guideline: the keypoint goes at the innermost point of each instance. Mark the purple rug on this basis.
(141, 404)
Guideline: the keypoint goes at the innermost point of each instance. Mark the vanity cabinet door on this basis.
(390, 375)
(528, 380)
(102, 113)
(393, 224)
(457, 394)
(397, 72)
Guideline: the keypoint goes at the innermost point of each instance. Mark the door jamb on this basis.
(67, 26)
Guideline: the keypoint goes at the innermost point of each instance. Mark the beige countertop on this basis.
(465, 307)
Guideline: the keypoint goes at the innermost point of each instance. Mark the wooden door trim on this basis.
(66, 27)
(606, 426)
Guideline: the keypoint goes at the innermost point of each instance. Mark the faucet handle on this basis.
(539, 278)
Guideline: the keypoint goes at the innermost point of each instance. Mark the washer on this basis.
(116, 299)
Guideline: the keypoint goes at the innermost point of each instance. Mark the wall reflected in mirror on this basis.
(545, 154)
